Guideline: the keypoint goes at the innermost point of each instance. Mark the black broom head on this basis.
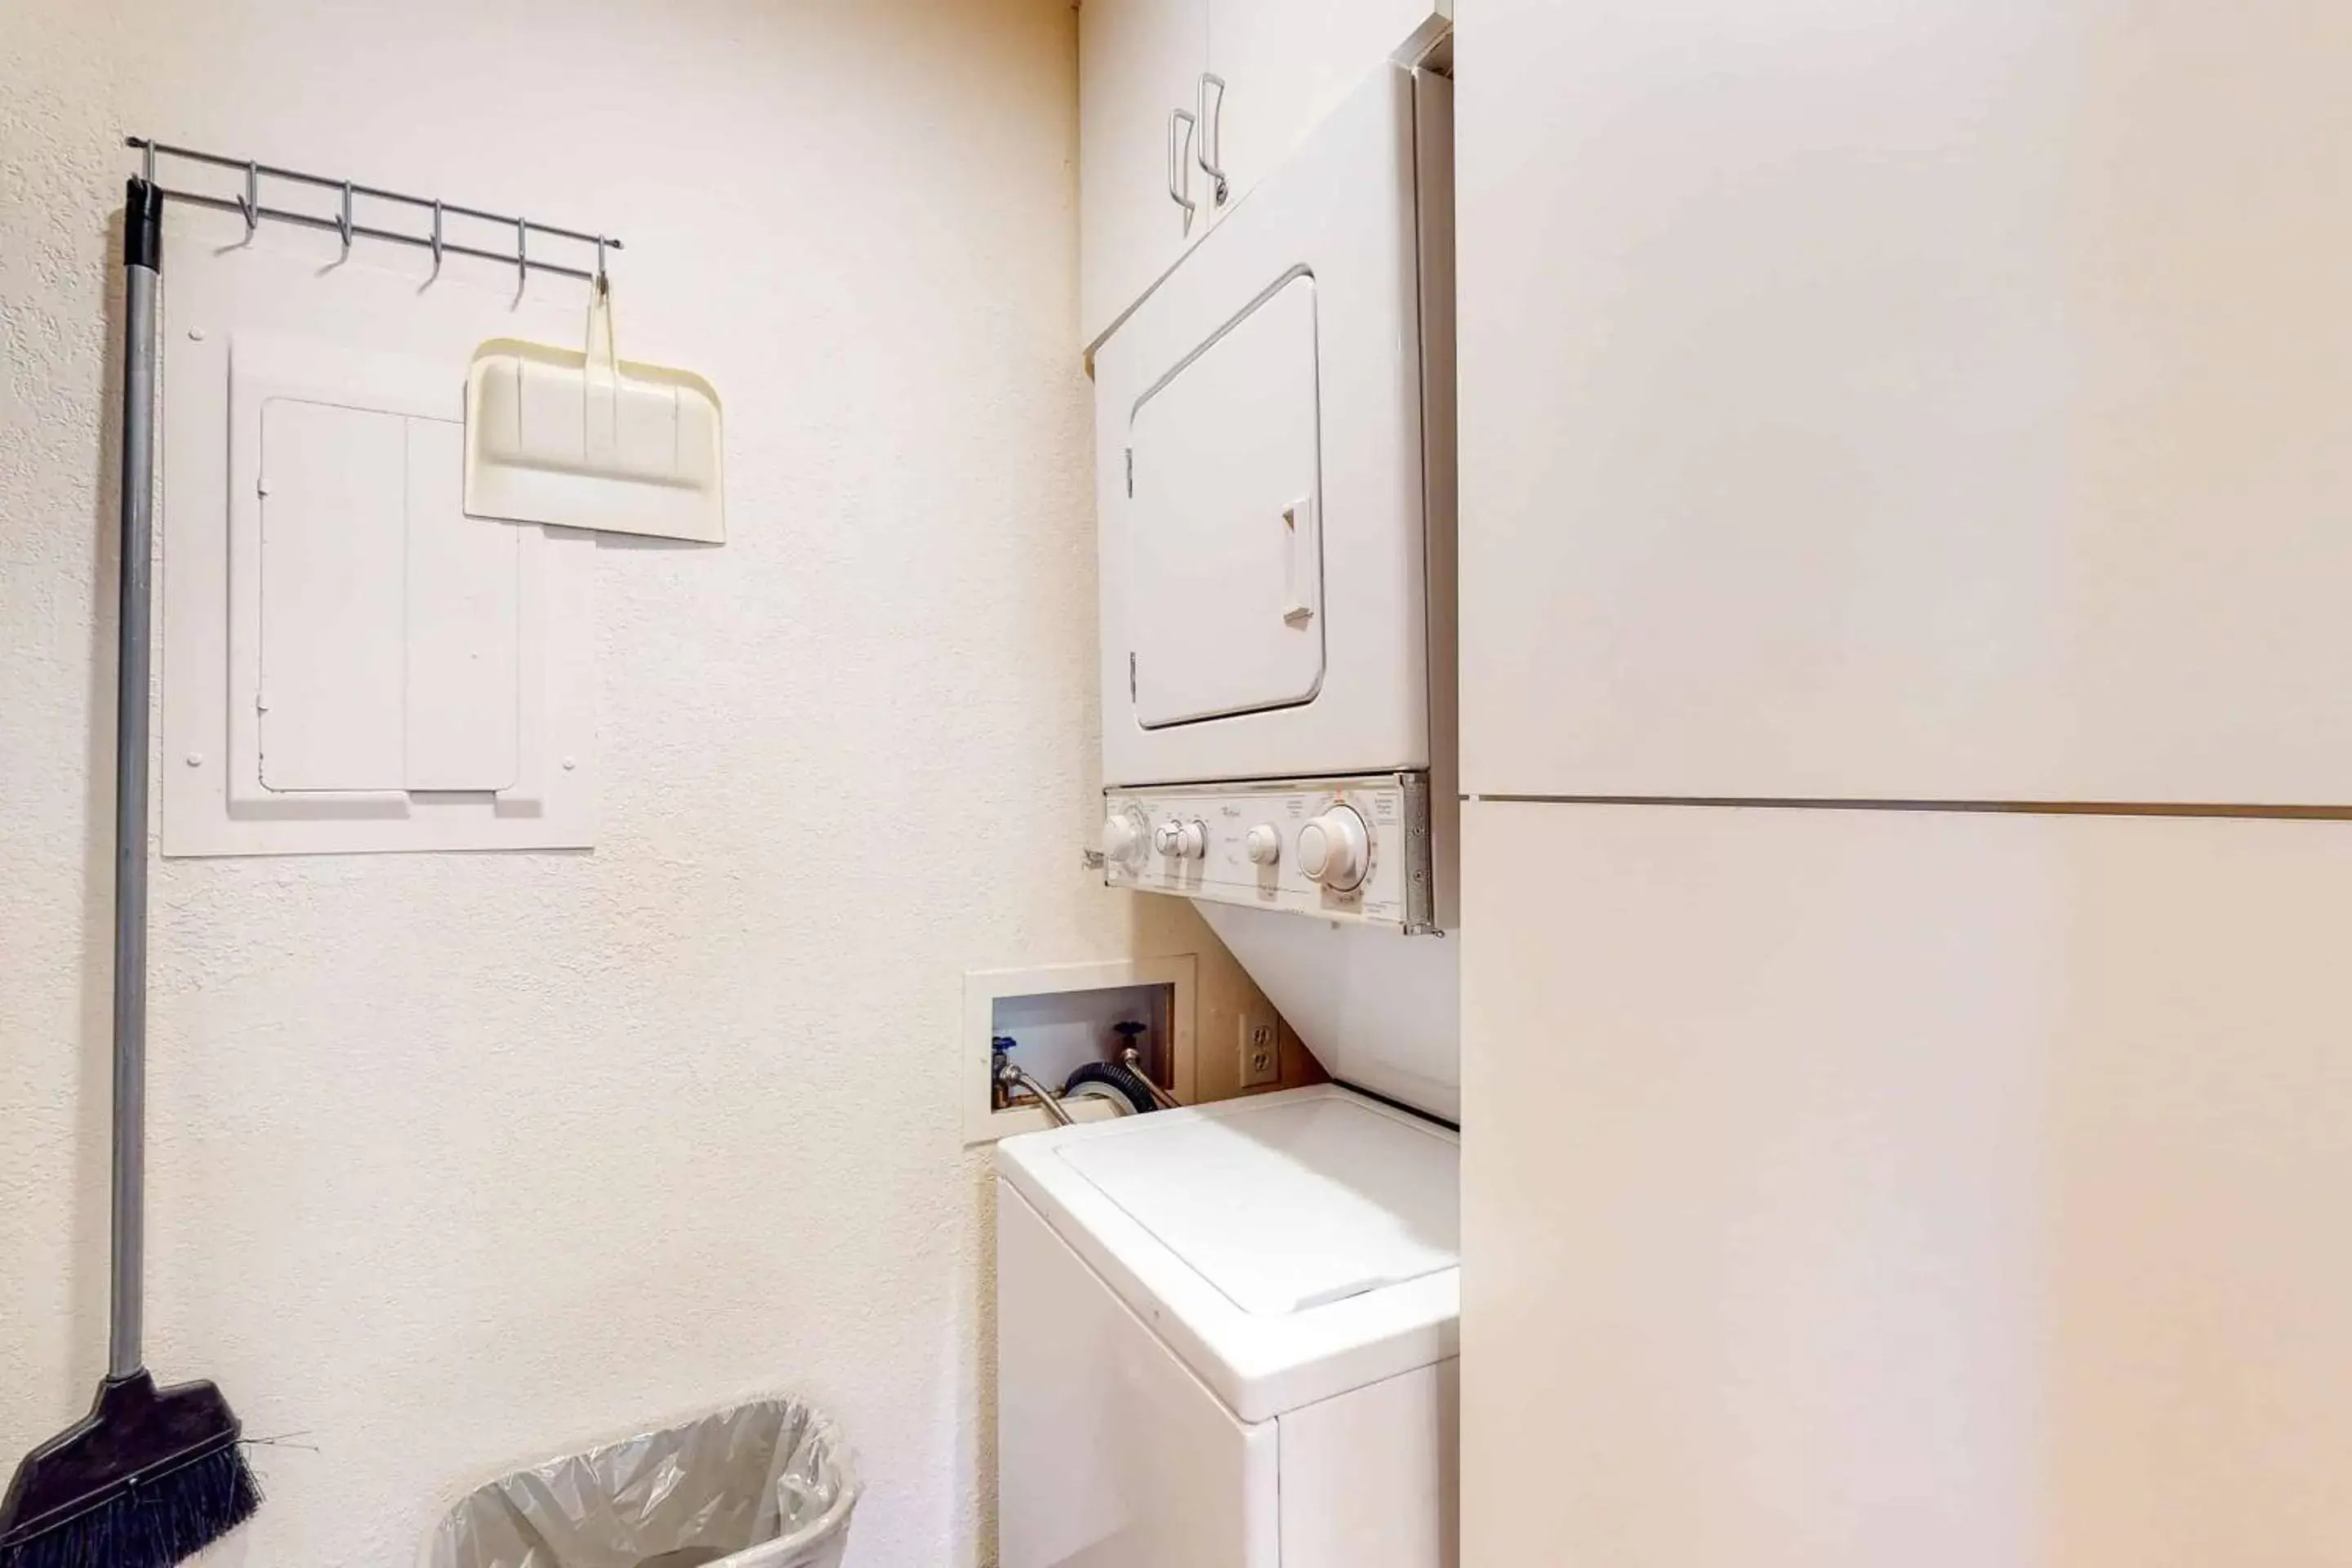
(149, 1478)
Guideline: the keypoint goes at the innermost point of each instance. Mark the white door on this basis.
(1226, 572)
(1834, 433)
(1277, 68)
(1938, 1188)
(1138, 77)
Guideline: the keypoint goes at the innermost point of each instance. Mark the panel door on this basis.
(1954, 405)
(1224, 595)
(1138, 63)
(334, 612)
(390, 653)
(1852, 1188)
(1286, 64)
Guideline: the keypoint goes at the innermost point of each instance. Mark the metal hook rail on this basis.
(248, 206)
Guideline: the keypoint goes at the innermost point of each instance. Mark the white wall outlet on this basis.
(1261, 1044)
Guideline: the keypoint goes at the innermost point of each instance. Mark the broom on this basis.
(152, 1476)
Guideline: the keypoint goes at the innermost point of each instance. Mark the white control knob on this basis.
(1335, 851)
(1264, 844)
(1122, 839)
(1182, 840)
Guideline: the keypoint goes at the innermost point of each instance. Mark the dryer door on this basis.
(1225, 572)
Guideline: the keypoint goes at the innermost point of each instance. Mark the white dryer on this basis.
(1227, 1337)
(1275, 435)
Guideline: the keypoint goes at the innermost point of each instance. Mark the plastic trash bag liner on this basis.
(764, 1485)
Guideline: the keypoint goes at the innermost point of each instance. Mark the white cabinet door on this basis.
(1285, 65)
(1138, 65)
(1933, 1188)
(1937, 408)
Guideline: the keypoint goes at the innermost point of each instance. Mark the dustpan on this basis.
(589, 440)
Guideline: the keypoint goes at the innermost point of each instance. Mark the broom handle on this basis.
(143, 253)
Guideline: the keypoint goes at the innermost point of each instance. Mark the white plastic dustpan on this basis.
(587, 440)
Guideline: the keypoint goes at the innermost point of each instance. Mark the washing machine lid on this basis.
(1289, 1206)
(1289, 1247)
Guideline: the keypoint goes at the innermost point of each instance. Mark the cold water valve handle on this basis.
(1009, 1075)
(1131, 1057)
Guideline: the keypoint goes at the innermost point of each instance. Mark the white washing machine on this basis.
(1226, 1337)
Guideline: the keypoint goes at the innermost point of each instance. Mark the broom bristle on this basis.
(155, 1525)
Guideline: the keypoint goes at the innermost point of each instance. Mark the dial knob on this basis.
(1264, 844)
(1122, 839)
(1334, 849)
(1182, 840)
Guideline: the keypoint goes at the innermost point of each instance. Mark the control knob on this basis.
(1335, 851)
(1264, 845)
(1122, 838)
(1182, 840)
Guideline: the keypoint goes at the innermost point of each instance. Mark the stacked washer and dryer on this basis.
(1227, 1334)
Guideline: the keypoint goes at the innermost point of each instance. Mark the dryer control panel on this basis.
(1344, 849)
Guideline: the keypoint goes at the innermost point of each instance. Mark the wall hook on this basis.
(603, 287)
(437, 239)
(344, 224)
(249, 204)
(522, 256)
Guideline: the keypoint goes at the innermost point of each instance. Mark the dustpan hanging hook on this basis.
(436, 238)
(603, 285)
(249, 204)
(523, 256)
(344, 221)
(604, 354)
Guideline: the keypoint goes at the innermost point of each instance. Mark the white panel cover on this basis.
(1224, 573)
(333, 616)
(463, 634)
(1379, 1009)
(349, 663)
(389, 618)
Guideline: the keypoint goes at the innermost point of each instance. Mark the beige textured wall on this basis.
(461, 1159)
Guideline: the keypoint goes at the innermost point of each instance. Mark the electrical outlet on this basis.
(1261, 1052)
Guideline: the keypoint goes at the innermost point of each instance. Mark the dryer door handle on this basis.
(1302, 561)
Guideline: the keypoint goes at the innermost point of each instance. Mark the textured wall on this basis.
(458, 1159)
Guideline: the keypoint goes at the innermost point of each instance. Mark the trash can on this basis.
(762, 1485)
